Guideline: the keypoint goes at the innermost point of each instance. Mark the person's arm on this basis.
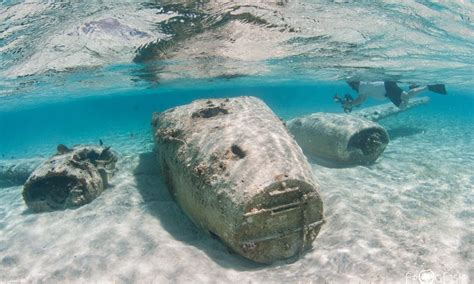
(359, 100)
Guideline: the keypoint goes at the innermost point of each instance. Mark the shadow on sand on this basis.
(160, 204)
(330, 164)
(403, 131)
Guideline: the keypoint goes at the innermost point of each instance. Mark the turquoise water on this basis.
(35, 128)
(101, 73)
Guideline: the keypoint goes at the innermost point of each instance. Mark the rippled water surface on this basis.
(78, 72)
(409, 40)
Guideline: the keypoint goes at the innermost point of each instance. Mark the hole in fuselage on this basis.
(210, 112)
(369, 141)
(237, 151)
(53, 190)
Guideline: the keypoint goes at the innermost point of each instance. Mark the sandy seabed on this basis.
(408, 217)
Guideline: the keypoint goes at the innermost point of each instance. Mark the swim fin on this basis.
(393, 92)
(354, 85)
(438, 88)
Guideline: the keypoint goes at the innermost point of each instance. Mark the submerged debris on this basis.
(379, 112)
(339, 138)
(238, 174)
(71, 178)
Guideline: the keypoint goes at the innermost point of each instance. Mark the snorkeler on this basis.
(345, 102)
(385, 89)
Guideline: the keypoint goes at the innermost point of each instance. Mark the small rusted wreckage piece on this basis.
(339, 139)
(238, 174)
(71, 178)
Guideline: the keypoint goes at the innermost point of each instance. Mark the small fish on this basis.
(101, 143)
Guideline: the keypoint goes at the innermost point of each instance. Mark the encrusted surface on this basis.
(235, 170)
(339, 138)
(71, 178)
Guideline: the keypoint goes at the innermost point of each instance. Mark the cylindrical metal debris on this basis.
(339, 139)
(71, 178)
(378, 112)
(236, 171)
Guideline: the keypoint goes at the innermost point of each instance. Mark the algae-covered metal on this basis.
(339, 138)
(236, 171)
(379, 112)
(71, 178)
